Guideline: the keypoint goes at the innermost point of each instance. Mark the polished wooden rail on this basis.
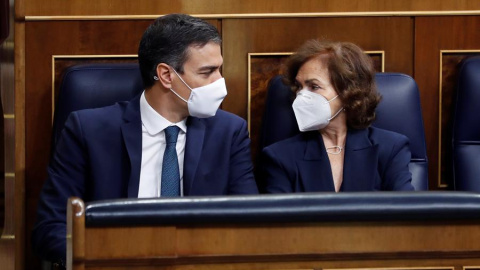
(438, 243)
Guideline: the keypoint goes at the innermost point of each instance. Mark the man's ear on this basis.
(164, 75)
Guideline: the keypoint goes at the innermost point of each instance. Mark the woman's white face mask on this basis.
(204, 101)
(312, 110)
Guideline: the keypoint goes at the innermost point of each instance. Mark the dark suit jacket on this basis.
(98, 157)
(375, 159)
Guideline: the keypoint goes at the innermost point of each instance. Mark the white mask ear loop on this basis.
(178, 95)
(183, 83)
(337, 113)
(335, 97)
(182, 79)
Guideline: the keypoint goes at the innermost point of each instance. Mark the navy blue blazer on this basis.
(98, 157)
(375, 159)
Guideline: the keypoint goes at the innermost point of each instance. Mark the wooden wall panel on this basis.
(7, 254)
(432, 35)
(152, 7)
(13, 231)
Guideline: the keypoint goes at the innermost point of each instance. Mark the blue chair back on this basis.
(466, 128)
(399, 111)
(93, 86)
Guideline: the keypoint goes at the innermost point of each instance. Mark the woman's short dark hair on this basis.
(167, 41)
(351, 74)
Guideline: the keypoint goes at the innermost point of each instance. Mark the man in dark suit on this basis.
(172, 140)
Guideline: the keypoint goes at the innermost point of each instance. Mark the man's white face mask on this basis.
(204, 101)
(312, 110)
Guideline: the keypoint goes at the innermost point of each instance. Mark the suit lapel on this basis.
(360, 165)
(314, 170)
(132, 137)
(193, 151)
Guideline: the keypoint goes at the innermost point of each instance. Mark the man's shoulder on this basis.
(222, 115)
(224, 118)
(387, 141)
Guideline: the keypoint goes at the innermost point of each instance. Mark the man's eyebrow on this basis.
(208, 68)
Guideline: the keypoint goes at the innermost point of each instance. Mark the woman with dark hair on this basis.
(337, 149)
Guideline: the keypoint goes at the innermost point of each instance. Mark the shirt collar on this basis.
(153, 121)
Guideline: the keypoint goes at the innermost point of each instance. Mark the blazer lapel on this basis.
(193, 151)
(132, 137)
(314, 170)
(360, 162)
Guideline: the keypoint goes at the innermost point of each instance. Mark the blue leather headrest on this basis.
(279, 121)
(400, 110)
(93, 86)
(286, 208)
(466, 128)
(467, 124)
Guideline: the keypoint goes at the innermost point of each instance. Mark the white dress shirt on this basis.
(153, 147)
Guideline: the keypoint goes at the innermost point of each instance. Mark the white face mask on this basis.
(312, 110)
(204, 101)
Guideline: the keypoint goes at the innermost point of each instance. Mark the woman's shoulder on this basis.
(382, 136)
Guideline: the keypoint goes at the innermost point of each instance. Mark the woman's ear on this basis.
(164, 75)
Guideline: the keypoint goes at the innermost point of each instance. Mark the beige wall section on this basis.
(152, 7)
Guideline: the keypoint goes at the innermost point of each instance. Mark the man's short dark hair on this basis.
(167, 41)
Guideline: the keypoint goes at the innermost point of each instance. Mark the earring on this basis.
(155, 78)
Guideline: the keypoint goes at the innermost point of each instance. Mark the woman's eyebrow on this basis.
(308, 81)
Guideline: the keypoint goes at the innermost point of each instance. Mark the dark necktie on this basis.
(170, 172)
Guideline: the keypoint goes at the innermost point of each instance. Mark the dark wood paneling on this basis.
(147, 7)
(2, 171)
(11, 242)
(433, 34)
(7, 254)
(17, 185)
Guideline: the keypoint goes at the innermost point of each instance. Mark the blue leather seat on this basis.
(466, 128)
(285, 208)
(399, 111)
(93, 86)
